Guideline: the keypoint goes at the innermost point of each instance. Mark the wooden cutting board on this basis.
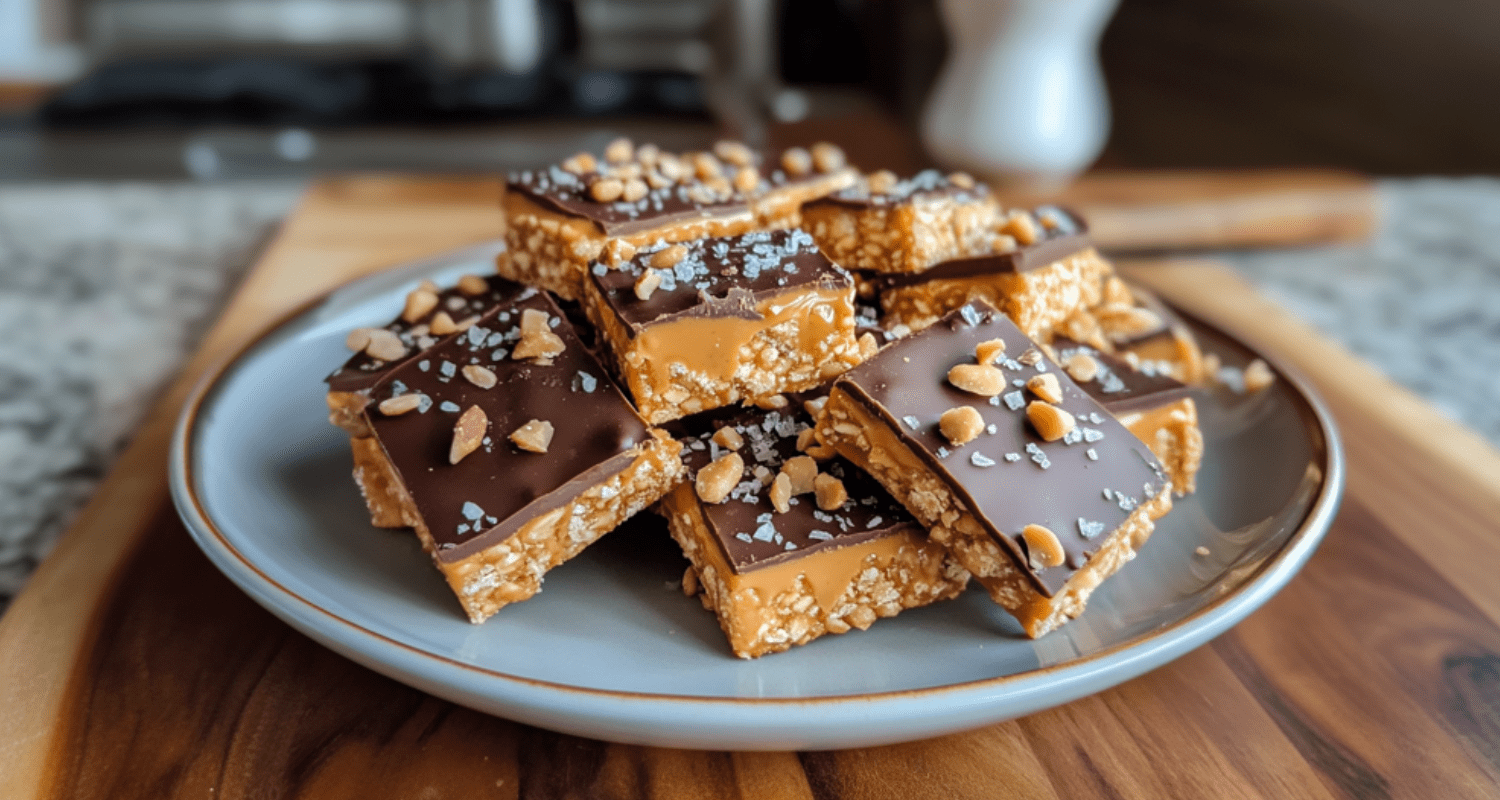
(130, 668)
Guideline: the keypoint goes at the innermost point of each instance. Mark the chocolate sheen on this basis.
(562, 191)
(361, 371)
(752, 533)
(719, 277)
(1119, 387)
(1066, 235)
(929, 184)
(1010, 478)
(496, 489)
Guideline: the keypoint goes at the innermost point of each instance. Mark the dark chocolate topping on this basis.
(1067, 236)
(723, 277)
(493, 491)
(1119, 387)
(925, 185)
(361, 371)
(752, 533)
(1081, 488)
(562, 191)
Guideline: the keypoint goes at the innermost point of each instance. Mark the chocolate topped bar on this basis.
(570, 193)
(752, 533)
(1116, 385)
(462, 303)
(1081, 485)
(719, 277)
(925, 185)
(506, 477)
(1062, 234)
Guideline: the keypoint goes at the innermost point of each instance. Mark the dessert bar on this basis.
(511, 450)
(703, 324)
(1032, 486)
(1040, 273)
(587, 209)
(787, 544)
(889, 225)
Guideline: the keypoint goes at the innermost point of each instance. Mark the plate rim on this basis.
(1138, 653)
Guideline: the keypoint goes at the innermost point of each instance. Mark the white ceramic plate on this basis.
(612, 650)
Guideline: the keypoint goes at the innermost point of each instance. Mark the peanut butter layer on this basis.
(781, 575)
(1038, 520)
(704, 324)
(886, 225)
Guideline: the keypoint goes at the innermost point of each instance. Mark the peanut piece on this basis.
(801, 471)
(538, 345)
(746, 179)
(868, 346)
(384, 345)
(1082, 367)
(647, 154)
(646, 284)
(706, 167)
(468, 433)
(980, 379)
(1258, 376)
(781, 493)
(619, 151)
(580, 163)
(1043, 546)
(735, 153)
(717, 480)
(1045, 387)
(535, 320)
(827, 157)
(480, 376)
(442, 324)
(607, 190)
(1031, 357)
(689, 581)
(796, 161)
(418, 303)
(668, 258)
(728, 437)
(635, 189)
(396, 406)
(1022, 226)
(472, 285)
(988, 352)
(1051, 422)
(807, 438)
(829, 491)
(962, 180)
(961, 424)
(814, 407)
(358, 339)
(882, 182)
(533, 437)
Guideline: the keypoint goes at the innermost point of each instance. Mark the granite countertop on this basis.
(107, 289)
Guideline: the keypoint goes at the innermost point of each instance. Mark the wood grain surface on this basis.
(130, 668)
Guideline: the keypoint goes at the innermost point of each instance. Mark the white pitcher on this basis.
(1021, 100)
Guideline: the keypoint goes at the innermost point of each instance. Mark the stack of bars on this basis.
(848, 394)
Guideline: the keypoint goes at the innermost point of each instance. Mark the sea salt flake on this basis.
(979, 459)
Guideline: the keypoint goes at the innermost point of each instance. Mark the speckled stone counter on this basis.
(106, 288)
(104, 291)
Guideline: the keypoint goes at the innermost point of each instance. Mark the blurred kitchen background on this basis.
(237, 88)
